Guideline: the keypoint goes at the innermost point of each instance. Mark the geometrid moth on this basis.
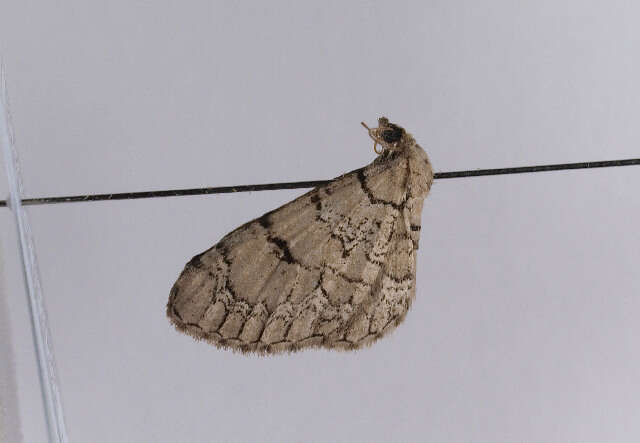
(334, 268)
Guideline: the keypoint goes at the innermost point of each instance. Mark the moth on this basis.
(334, 268)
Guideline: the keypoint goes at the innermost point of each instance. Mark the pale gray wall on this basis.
(525, 325)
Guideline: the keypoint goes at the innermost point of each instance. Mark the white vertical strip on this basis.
(39, 324)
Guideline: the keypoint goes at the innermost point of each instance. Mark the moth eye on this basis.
(393, 134)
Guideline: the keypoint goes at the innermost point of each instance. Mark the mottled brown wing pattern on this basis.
(334, 268)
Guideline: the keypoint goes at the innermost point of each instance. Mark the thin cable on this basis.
(312, 184)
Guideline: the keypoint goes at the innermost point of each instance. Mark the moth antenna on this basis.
(375, 139)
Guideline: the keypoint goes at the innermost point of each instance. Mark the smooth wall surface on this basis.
(525, 323)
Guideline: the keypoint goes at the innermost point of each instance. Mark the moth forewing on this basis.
(334, 268)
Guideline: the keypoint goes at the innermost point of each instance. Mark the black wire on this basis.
(311, 184)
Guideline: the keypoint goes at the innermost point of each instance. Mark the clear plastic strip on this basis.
(38, 315)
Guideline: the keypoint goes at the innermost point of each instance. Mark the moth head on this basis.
(389, 135)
